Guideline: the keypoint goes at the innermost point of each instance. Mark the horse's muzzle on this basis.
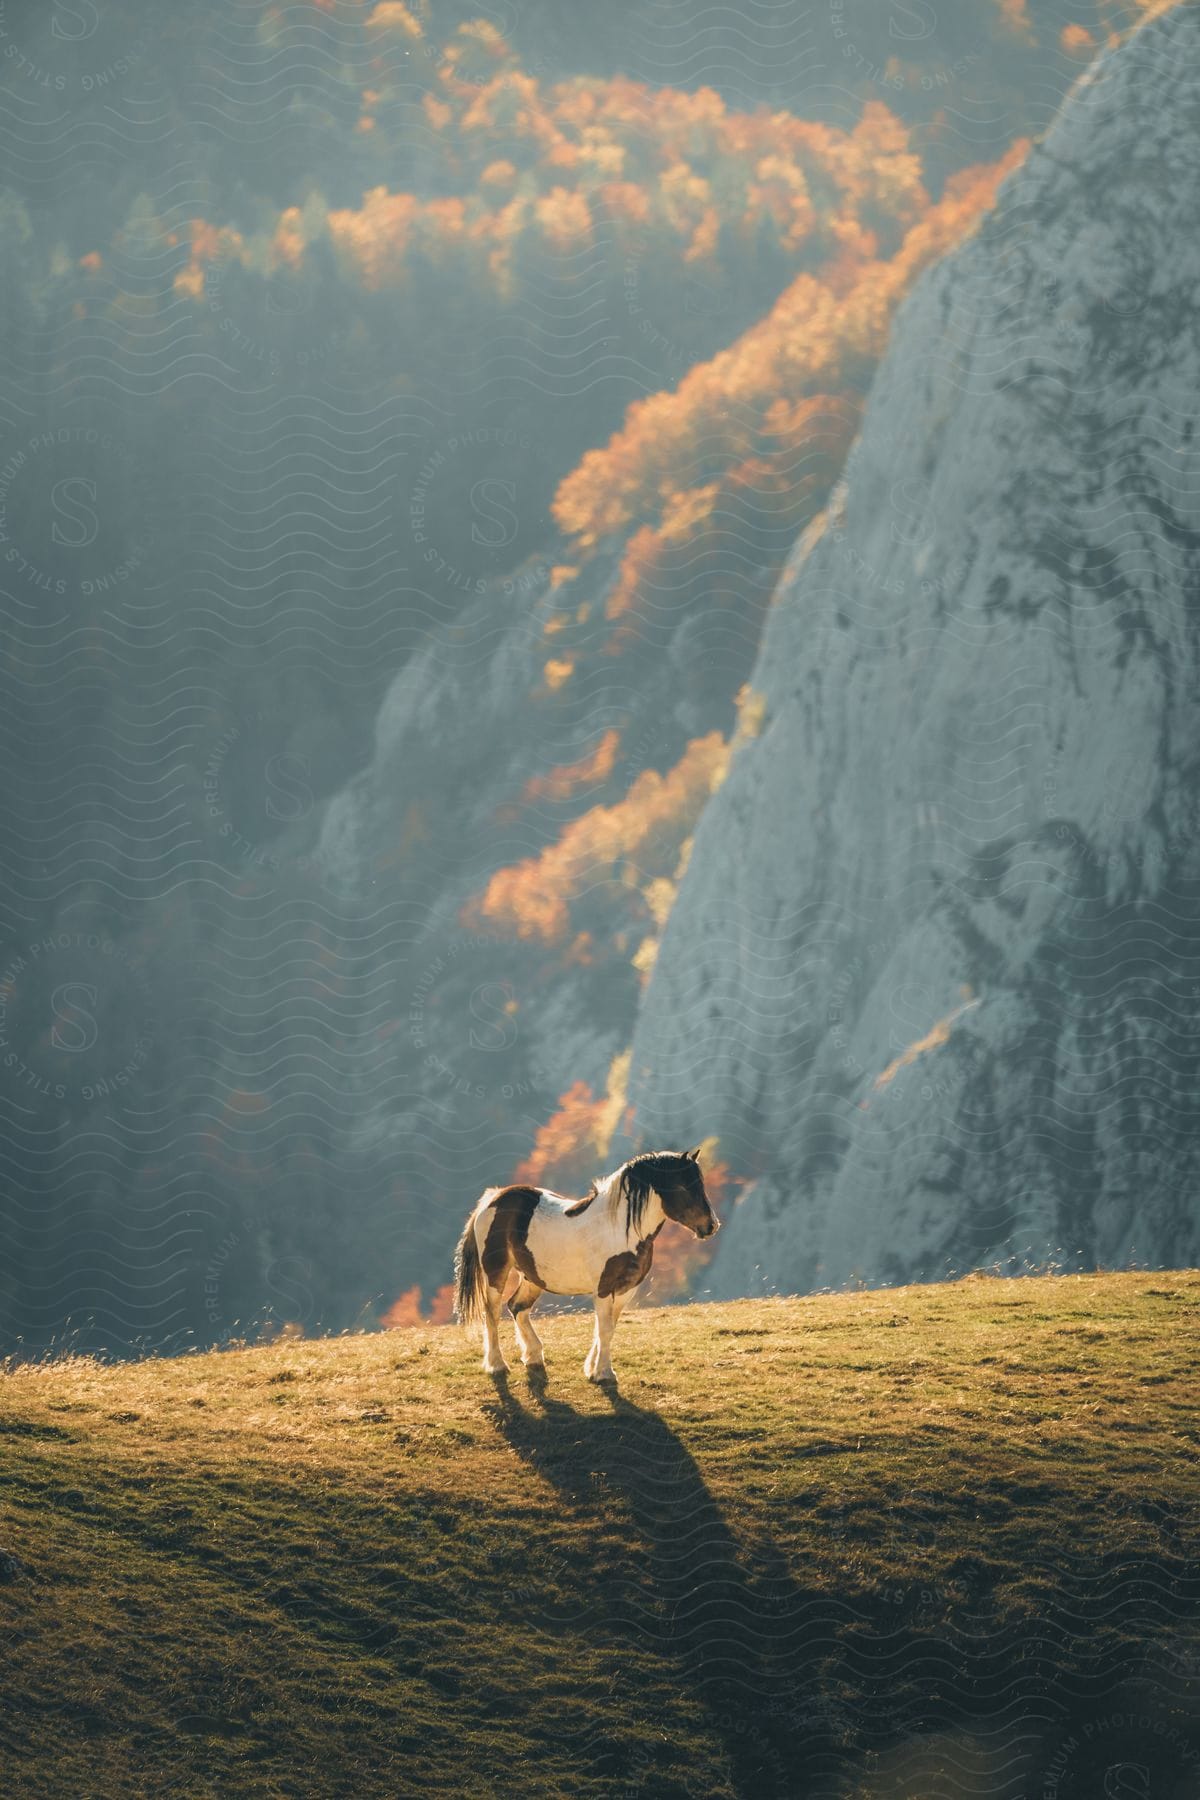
(707, 1230)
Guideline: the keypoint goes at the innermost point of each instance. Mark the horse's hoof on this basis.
(602, 1375)
(500, 1368)
(539, 1364)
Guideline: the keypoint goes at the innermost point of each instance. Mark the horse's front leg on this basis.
(598, 1365)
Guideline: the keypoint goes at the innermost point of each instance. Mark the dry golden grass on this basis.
(808, 1539)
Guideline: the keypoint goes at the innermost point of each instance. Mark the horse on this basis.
(602, 1245)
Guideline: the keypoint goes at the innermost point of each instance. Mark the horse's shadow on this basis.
(740, 1638)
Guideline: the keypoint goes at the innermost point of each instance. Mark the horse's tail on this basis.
(468, 1277)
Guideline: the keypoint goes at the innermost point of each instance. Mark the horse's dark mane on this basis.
(640, 1176)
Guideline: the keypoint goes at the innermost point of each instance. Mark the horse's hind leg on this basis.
(493, 1355)
(521, 1307)
(496, 1268)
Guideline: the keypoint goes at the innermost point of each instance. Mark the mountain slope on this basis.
(935, 1540)
(932, 972)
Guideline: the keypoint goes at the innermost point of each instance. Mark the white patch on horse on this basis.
(570, 1253)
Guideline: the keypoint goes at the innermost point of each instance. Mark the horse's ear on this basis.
(694, 1154)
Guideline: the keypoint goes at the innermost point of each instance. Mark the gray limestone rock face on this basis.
(933, 975)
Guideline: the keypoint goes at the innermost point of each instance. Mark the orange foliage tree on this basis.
(568, 1146)
(653, 181)
(407, 1310)
(563, 782)
(640, 835)
(822, 337)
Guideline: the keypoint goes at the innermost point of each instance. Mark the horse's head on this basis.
(681, 1190)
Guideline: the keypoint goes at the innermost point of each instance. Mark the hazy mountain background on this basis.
(408, 415)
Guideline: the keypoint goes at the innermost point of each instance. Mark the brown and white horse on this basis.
(521, 1242)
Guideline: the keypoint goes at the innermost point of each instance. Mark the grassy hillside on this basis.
(920, 1542)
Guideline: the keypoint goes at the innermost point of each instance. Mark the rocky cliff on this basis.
(933, 975)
